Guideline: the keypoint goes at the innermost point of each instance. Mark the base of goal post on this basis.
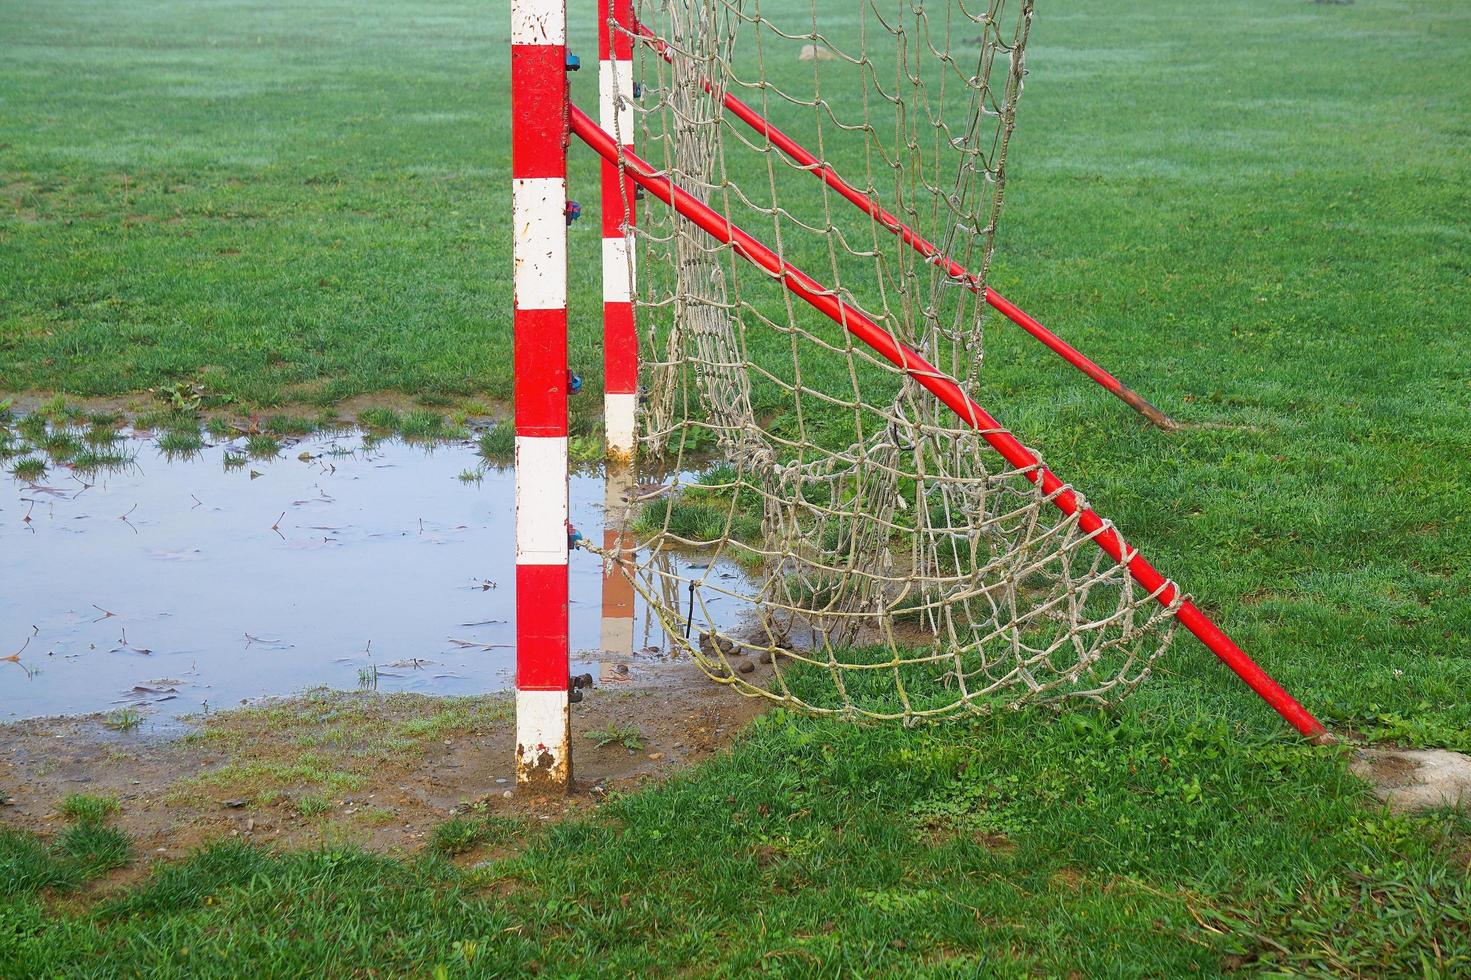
(543, 749)
(620, 424)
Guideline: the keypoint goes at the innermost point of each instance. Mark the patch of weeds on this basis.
(377, 816)
(424, 425)
(10, 445)
(101, 436)
(163, 418)
(471, 476)
(498, 443)
(628, 736)
(290, 425)
(87, 808)
(86, 849)
(92, 460)
(61, 444)
(104, 420)
(328, 420)
(455, 836)
(30, 469)
(95, 848)
(27, 865)
(475, 408)
(33, 427)
(384, 421)
(263, 446)
(219, 427)
(585, 449)
(183, 396)
(458, 716)
(267, 798)
(123, 719)
(5, 409)
(233, 461)
(312, 806)
(179, 443)
(247, 778)
(460, 835)
(368, 678)
(58, 410)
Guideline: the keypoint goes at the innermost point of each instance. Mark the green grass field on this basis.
(1255, 212)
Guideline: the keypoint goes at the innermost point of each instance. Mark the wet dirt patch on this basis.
(377, 770)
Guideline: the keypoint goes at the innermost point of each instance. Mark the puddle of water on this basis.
(176, 586)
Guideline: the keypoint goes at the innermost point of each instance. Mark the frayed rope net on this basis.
(866, 551)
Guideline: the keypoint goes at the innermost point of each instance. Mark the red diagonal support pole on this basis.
(923, 246)
(945, 388)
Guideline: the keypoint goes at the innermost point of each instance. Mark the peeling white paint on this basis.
(541, 500)
(616, 281)
(539, 216)
(539, 22)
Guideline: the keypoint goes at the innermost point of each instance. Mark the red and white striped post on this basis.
(620, 338)
(539, 218)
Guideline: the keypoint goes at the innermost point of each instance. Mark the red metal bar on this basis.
(969, 411)
(924, 247)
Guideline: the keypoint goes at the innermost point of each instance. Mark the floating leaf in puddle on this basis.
(126, 647)
(14, 658)
(180, 554)
(472, 645)
(267, 642)
(141, 693)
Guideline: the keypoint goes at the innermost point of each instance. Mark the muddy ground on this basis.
(378, 770)
(383, 770)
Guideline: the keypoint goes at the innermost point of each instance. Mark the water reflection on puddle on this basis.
(175, 586)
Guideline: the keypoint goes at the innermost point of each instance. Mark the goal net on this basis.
(885, 562)
(837, 525)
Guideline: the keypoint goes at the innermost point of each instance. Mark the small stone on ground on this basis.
(1417, 779)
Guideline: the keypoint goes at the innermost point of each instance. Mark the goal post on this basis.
(539, 217)
(799, 369)
(619, 216)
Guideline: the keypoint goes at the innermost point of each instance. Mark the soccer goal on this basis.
(799, 209)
